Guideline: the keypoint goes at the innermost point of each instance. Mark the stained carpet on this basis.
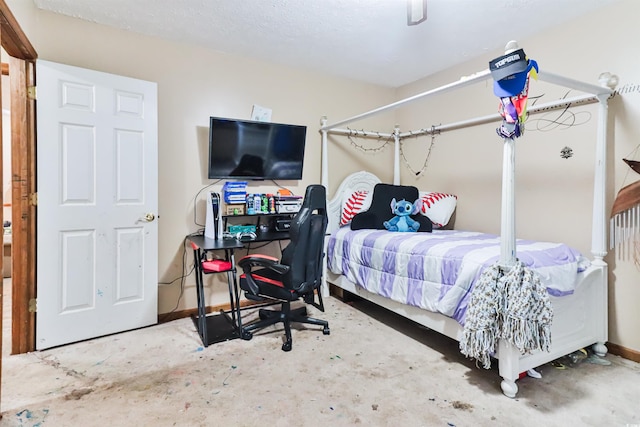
(374, 369)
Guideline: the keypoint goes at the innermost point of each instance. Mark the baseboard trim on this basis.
(618, 350)
(175, 315)
(624, 352)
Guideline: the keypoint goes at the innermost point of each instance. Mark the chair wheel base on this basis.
(286, 346)
(326, 331)
(246, 335)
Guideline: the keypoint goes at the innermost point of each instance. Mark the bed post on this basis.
(324, 166)
(509, 356)
(324, 180)
(508, 215)
(396, 155)
(508, 212)
(599, 231)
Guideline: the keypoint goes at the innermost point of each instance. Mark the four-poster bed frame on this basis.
(580, 319)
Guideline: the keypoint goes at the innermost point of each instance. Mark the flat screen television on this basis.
(244, 149)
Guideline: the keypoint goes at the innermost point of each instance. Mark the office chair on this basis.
(297, 275)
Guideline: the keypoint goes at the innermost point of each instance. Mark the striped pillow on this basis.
(438, 207)
(354, 203)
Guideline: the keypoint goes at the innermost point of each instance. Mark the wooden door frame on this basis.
(23, 209)
(23, 177)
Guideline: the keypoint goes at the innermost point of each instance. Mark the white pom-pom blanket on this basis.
(513, 306)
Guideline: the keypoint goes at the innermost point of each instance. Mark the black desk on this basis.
(225, 325)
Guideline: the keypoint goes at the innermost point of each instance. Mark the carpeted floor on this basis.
(375, 369)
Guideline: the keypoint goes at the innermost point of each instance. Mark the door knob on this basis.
(149, 217)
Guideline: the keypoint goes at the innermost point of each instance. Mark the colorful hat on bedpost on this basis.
(511, 73)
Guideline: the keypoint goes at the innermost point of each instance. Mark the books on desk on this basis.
(235, 191)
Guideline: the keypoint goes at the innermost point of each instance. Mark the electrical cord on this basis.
(182, 281)
(281, 186)
(249, 248)
(195, 201)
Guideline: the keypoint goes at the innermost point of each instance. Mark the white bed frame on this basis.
(580, 319)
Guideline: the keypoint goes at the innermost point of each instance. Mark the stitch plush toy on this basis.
(402, 221)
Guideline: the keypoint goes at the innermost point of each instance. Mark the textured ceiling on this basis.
(367, 40)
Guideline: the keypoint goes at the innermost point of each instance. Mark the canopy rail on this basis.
(361, 133)
(542, 108)
(464, 81)
(436, 129)
(593, 93)
(545, 76)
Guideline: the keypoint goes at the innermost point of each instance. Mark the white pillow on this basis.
(353, 203)
(438, 207)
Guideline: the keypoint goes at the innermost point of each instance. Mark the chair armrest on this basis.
(264, 261)
(246, 263)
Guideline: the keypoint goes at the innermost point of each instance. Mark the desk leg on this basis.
(202, 319)
(234, 293)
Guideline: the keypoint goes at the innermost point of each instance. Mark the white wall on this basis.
(194, 84)
(553, 194)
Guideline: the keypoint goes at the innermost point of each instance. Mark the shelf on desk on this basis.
(254, 215)
(270, 236)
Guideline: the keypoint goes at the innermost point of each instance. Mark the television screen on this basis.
(255, 150)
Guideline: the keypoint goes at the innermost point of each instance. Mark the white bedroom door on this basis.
(97, 233)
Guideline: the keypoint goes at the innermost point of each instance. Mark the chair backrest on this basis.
(305, 250)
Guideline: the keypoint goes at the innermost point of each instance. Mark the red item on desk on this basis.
(216, 265)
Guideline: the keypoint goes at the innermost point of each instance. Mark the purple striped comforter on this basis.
(436, 271)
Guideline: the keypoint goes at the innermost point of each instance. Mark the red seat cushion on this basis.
(215, 266)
